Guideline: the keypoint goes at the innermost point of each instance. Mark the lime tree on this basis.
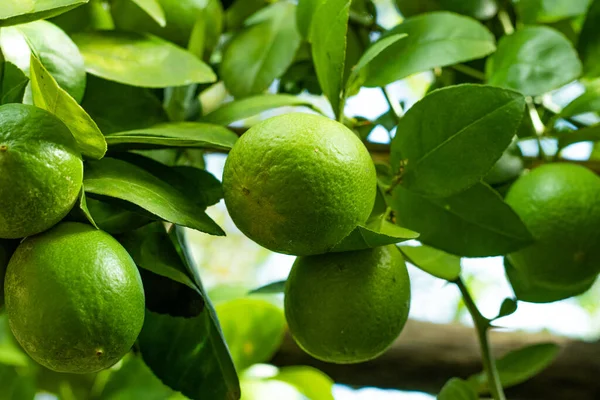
(40, 170)
(74, 298)
(348, 307)
(299, 183)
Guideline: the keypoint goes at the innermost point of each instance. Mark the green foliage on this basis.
(433, 261)
(15, 12)
(457, 389)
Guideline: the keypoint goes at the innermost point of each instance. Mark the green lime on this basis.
(7, 247)
(560, 204)
(299, 183)
(180, 15)
(40, 170)
(74, 298)
(348, 307)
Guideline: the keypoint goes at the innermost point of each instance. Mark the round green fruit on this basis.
(299, 183)
(7, 248)
(348, 307)
(41, 170)
(560, 204)
(74, 298)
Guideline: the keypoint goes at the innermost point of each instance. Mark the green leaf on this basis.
(16, 383)
(589, 41)
(473, 223)
(15, 12)
(520, 365)
(49, 96)
(305, 14)
(138, 59)
(83, 207)
(271, 288)
(189, 354)
(311, 382)
(369, 55)
(587, 134)
(473, 126)
(13, 83)
(533, 60)
(480, 9)
(134, 380)
(117, 216)
(589, 101)
(249, 107)
(138, 107)
(330, 26)
(119, 179)
(508, 307)
(176, 134)
(547, 11)
(434, 40)
(253, 330)
(433, 261)
(366, 238)
(53, 47)
(457, 389)
(153, 9)
(240, 10)
(262, 52)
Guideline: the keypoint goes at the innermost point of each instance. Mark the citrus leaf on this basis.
(533, 60)
(117, 216)
(508, 307)
(547, 11)
(311, 382)
(84, 209)
(588, 41)
(433, 261)
(253, 330)
(13, 82)
(197, 363)
(520, 365)
(473, 223)
(176, 134)
(444, 155)
(271, 288)
(589, 101)
(51, 97)
(366, 238)
(457, 389)
(138, 59)
(240, 10)
(434, 40)
(134, 380)
(330, 26)
(138, 107)
(587, 134)
(249, 107)
(168, 286)
(480, 9)
(119, 179)
(53, 47)
(265, 49)
(15, 12)
(304, 16)
(153, 9)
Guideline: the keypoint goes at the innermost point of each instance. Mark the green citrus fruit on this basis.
(74, 298)
(560, 204)
(40, 170)
(348, 307)
(180, 16)
(299, 183)
(7, 248)
(527, 289)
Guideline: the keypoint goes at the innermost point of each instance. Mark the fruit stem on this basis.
(482, 326)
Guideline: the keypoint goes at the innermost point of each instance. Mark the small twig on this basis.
(470, 71)
(366, 22)
(507, 25)
(538, 126)
(392, 103)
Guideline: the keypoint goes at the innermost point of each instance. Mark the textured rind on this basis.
(560, 205)
(41, 171)
(299, 183)
(348, 307)
(74, 298)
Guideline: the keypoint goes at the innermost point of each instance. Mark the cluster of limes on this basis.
(73, 295)
(298, 184)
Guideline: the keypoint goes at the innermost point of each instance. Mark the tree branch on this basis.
(426, 355)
